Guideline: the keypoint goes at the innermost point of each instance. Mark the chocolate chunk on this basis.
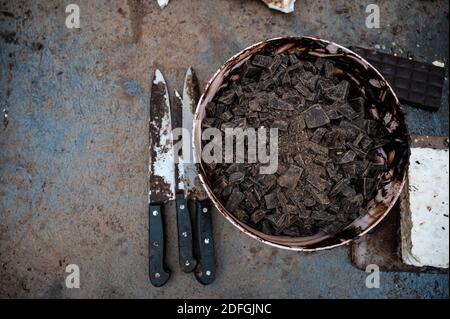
(250, 201)
(320, 197)
(338, 92)
(357, 151)
(348, 191)
(236, 177)
(299, 160)
(339, 186)
(271, 200)
(234, 200)
(226, 116)
(286, 79)
(321, 215)
(366, 143)
(316, 148)
(227, 190)
(241, 215)
(254, 105)
(266, 228)
(280, 221)
(282, 200)
(295, 67)
(315, 116)
(276, 62)
(347, 157)
(318, 134)
(291, 177)
(280, 124)
(333, 115)
(266, 85)
(227, 97)
(293, 59)
(292, 97)
(304, 213)
(262, 61)
(268, 181)
(347, 111)
(209, 122)
(298, 123)
(257, 216)
(303, 90)
(250, 71)
(278, 104)
(319, 183)
(321, 160)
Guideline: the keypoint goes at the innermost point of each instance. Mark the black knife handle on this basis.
(185, 249)
(206, 269)
(159, 274)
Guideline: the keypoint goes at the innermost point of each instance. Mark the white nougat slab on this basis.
(424, 220)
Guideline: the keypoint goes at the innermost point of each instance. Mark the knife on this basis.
(161, 177)
(203, 237)
(184, 223)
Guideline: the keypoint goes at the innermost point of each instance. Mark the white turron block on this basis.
(425, 211)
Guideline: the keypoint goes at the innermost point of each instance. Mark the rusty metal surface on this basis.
(73, 156)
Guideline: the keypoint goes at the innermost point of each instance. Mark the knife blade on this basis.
(161, 177)
(204, 239)
(184, 223)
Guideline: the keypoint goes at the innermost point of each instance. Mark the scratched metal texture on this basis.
(73, 156)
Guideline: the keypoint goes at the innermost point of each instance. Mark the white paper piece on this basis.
(285, 6)
(162, 3)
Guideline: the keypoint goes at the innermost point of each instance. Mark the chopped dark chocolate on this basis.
(235, 199)
(226, 116)
(271, 200)
(315, 116)
(303, 90)
(282, 125)
(329, 140)
(262, 61)
(347, 157)
(291, 177)
(257, 216)
(347, 111)
(315, 148)
(227, 97)
(241, 215)
(236, 177)
(278, 104)
(320, 197)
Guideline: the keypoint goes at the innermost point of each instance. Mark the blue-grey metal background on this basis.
(73, 157)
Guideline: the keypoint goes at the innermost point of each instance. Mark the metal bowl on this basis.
(386, 109)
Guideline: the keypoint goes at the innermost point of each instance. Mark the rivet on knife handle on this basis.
(158, 272)
(185, 249)
(206, 269)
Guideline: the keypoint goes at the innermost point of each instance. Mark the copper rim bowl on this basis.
(386, 109)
